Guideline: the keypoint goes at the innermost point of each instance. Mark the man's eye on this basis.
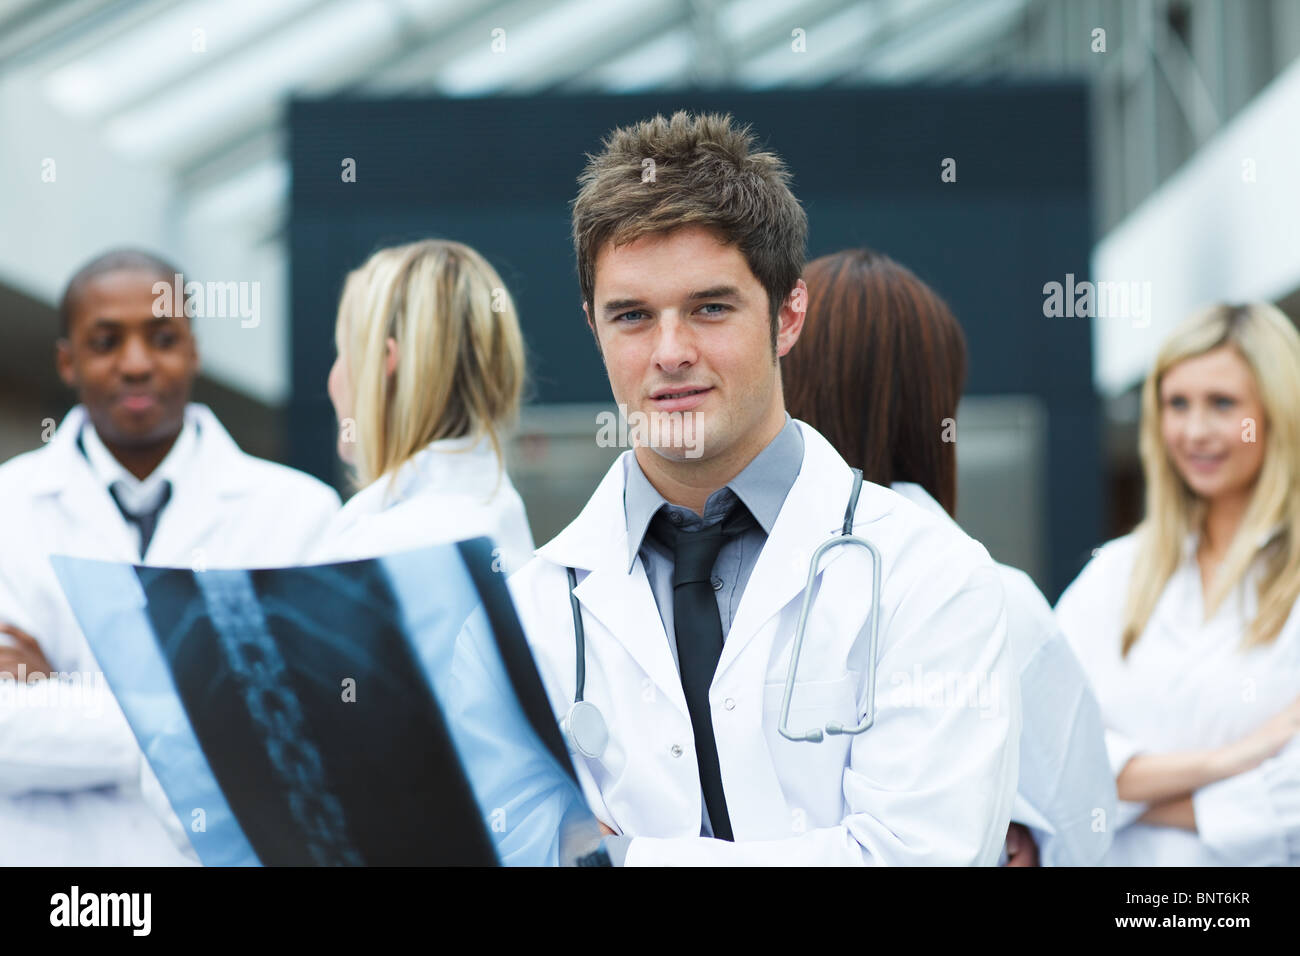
(102, 343)
(165, 339)
(627, 316)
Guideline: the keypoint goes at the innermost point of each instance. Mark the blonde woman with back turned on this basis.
(429, 375)
(1187, 626)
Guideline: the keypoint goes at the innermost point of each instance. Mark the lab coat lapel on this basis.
(620, 600)
(812, 512)
(203, 495)
(624, 604)
(89, 507)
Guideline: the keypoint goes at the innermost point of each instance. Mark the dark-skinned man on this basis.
(137, 473)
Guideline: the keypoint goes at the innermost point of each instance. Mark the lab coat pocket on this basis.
(811, 774)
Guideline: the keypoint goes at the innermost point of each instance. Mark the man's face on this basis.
(685, 332)
(131, 369)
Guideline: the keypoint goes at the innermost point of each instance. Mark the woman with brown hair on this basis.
(879, 371)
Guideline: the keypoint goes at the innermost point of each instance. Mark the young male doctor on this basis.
(691, 557)
(134, 473)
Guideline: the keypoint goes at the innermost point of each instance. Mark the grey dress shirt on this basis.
(762, 486)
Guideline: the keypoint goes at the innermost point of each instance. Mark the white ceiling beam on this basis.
(539, 48)
(942, 40)
(34, 35)
(247, 90)
(422, 55)
(169, 48)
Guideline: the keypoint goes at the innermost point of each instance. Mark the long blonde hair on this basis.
(1269, 343)
(460, 359)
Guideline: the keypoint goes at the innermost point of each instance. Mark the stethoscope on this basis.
(584, 726)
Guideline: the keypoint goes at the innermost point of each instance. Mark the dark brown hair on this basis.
(879, 366)
(705, 172)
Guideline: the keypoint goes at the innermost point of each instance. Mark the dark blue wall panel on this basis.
(500, 173)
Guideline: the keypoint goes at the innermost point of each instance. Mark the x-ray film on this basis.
(376, 712)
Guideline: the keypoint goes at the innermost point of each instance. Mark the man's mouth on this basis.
(138, 402)
(679, 399)
(680, 393)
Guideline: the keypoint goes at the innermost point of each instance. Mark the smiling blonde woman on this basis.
(428, 379)
(1187, 626)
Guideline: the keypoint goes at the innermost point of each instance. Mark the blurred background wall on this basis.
(168, 125)
(867, 167)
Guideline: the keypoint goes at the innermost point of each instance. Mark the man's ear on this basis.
(592, 325)
(63, 363)
(791, 318)
(390, 357)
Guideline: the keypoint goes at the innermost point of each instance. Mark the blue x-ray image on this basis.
(376, 712)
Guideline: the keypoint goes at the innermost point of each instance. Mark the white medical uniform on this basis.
(932, 781)
(1066, 792)
(1187, 685)
(70, 773)
(451, 490)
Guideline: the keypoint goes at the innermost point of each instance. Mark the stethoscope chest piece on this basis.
(585, 730)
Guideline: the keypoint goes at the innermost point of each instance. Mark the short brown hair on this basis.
(879, 366)
(706, 172)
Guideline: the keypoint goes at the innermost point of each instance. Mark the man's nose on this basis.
(675, 344)
(137, 357)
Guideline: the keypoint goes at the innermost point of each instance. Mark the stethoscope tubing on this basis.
(590, 713)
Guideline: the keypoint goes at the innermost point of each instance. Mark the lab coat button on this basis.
(729, 703)
(676, 750)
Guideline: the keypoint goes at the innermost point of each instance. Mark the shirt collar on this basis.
(762, 485)
(137, 495)
(446, 463)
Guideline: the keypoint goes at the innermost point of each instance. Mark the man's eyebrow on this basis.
(103, 321)
(613, 305)
(716, 292)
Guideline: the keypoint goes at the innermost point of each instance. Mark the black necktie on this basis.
(146, 521)
(698, 631)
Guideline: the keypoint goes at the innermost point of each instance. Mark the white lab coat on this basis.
(1066, 792)
(70, 774)
(451, 490)
(932, 782)
(1186, 685)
